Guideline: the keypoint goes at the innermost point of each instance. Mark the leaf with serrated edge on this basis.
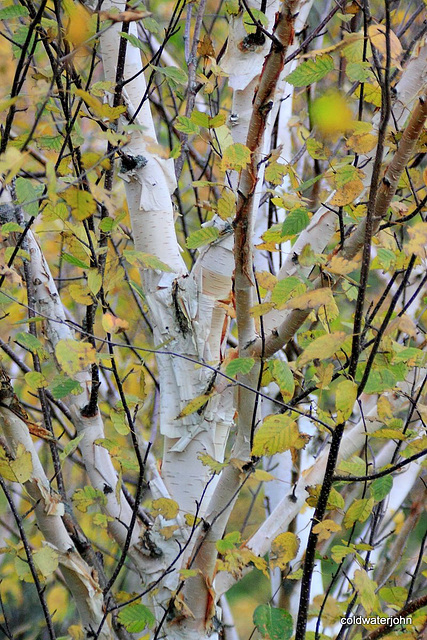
(323, 347)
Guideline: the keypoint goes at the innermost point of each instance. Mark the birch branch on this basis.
(291, 504)
(353, 245)
(96, 458)
(80, 579)
(323, 224)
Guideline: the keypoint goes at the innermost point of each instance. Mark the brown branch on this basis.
(411, 607)
(387, 188)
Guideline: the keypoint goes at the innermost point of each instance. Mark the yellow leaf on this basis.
(366, 590)
(418, 240)
(112, 324)
(10, 163)
(310, 299)
(384, 408)
(98, 108)
(191, 520)
(261, 309)
(18, 470)
(335, 500)
(210, 462)
(262, 476)
(347, 193)
(371, 93)
(361, 143)
(324, 373)
(94, 281)
(74, 356)
(278, 433)
(226, 205)
(325, 529)
(323, 347)
(377, 35)
(266, 280)
(237, 156)
(76, 632)
(81, 202)
(166, 507)
(80, 24)
(284, 549)
(194, 405)
(167, 532)
(80, 294)
(46, 560)
(345, 397)
(340, 266)
(57, 600)
(331, 114)
(36, 380)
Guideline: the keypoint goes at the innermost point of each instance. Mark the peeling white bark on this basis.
(79, 577)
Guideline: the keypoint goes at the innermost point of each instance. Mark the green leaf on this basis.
(286, 289)
(71, 446)
(340, 551)
(67, 257)
(381, 487)
(135, 42)
(151, 25)
(359, 71)
(355, 466)
(199, 118)
(35, 380)
(11, 227)
(248, 23)
(394, 595)
(283, 377)
(13, 11)
(203, 236)
(136, 618)
(30, 342)
(28, 195)
(186, 125)
(379, 380)
(310, 71)
(62, 386)
(359, 511)
(239, 365)
(86, 497)
(173, 73)
(272, 623)
(295, 222)
(118, 418)
(228, 542)
(146, 260)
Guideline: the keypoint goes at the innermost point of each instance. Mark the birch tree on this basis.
(212, 299)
